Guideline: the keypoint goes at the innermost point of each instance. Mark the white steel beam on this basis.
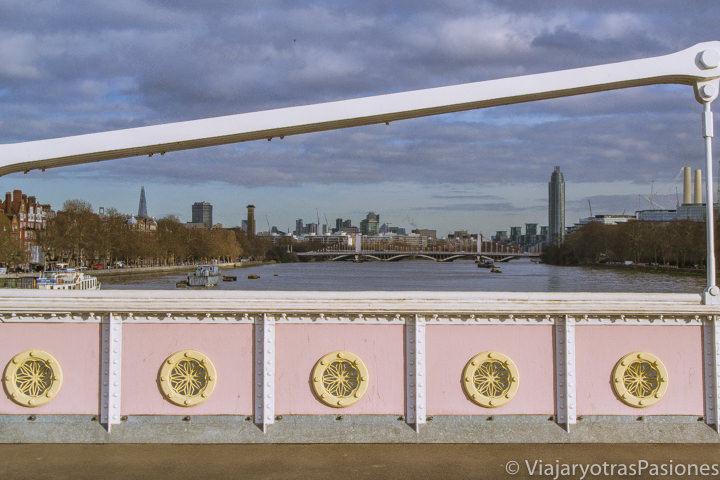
(692, 66)
(264, 399)
(111, 370)
(565, 400)
(415, 383)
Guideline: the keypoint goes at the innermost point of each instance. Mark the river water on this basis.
(515, 276)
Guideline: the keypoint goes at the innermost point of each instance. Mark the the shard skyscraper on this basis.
(556, 207)
(142, 208)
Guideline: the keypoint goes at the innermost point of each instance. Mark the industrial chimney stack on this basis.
(698, 187)
(251, 220)
(692, 194)
(686, 186)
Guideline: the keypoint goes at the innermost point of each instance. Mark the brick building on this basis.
(25, 217)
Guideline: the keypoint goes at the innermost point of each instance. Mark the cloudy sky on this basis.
(69, 68)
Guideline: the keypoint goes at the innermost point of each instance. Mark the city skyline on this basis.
(483, 170)
(202, 214)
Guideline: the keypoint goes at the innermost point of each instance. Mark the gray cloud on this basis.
(483, 207)
(465, 196)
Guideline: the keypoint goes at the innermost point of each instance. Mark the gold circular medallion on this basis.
(33, 378)
(339, 379)
(640, 379)
(187, 378)
(491, 379)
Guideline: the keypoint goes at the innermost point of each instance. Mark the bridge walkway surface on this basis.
(349, 461)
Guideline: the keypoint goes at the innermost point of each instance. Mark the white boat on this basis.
(204, 276)
(67, 279)
(486, 263)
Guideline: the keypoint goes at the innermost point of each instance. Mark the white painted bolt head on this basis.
(714, 290)
(708, 91)
(709, 59)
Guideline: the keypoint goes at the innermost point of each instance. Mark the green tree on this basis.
(72, 235)
(172, 240)
(10, 252)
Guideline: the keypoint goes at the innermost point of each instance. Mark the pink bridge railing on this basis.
(256, 356)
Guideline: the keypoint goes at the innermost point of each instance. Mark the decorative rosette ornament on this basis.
(339, 379)
(187, 378)
(640, 379)
(33, 378)
(491, 379)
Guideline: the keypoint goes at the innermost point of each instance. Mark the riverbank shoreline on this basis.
(113, 272)
(128, 271)
(649, 268)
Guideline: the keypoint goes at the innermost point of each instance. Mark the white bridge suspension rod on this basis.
(692, 66)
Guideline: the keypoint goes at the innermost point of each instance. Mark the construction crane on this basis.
(411, 221)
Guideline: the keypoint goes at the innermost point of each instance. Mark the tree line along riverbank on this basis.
(663, 246)
(79, 237)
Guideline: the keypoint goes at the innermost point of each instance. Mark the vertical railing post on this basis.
(415, 382)
(111, 370)
(264, 367)
(711, 369)
(705, 94)
(565, 400)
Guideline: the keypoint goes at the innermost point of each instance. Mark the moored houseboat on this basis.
(204, 276)
(67, 279)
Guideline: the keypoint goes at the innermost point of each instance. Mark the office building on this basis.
(500, 236)
(426, 232)
(556, 206)
(202, 214)
(370, 224)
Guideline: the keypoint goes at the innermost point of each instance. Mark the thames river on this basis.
(515, 276)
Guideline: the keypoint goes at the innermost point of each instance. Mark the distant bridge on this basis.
(394, 255)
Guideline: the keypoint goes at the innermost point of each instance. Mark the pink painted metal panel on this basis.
(75, 346)
(229, 347)
(450, 347)
(299, 347)
(599, 347)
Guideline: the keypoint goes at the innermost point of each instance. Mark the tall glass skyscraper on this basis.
(556, 206)
(142, 207)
